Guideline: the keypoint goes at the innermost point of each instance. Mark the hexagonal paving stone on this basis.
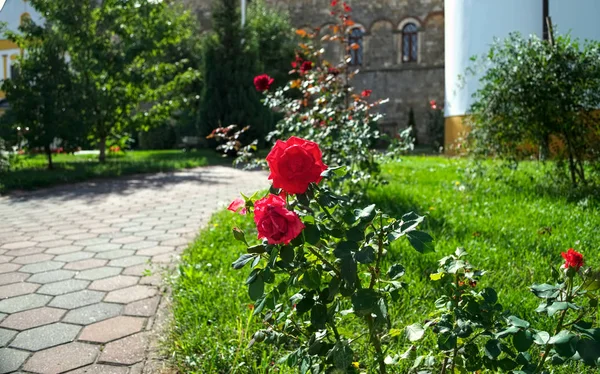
(129, 261)
(2, 316)
(25, 251)
(81, 236)
(32, 318)
(99, 273)
(18, 245)
(63, 287)
(103, 247)
(75, 256)
(7, 268)
(77, 299)
(17, 289)
(93, 313)
(101, 369)
(127, 295)
(25, 302)
(111, 255)
(62, 358)
(127, 239)
(32, 259)
(11, 359)
(5, 259)
(9, 278)
(51, 276)
(137, 270)
(154, 251)
(56, 243)
(47, 238)
(85, 264)
(140, 245)
(112, 329)
(64, 249)
(142, 308)
(92, 241)
(114, 283)
(45, 336)
(42, 267)
(126, 351)
(6, 336)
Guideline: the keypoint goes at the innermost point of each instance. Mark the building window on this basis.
(355, 42)
(410, 43)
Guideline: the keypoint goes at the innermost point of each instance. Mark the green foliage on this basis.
(118, 50)
(43, 94)
(27, 172)
(536, 94)
(231, 60)
(435, 126)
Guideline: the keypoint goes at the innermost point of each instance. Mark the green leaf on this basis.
(339, 171)
(349, 270)
(522, 340)
(395, 272)
(305, 304)
(345, 249)
(489, 295)
(355, 234)
(342, 355)
(565, 343)
(544, 291)
(541, 338)
(365, 255)
(366, 214)
(589, 351)
(507, 364)
(421, 241)
(492, 349)
(257, 249)
(364, 300)
(312, 279)
(287, 254)
(318, 316)
(312, 235)
(515, 321)
(256, 289)
(242, 261)
(556, 307)
(415, 332)
(446, 341)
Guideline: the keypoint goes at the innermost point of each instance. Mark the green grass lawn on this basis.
(30, 172)
(512, 224)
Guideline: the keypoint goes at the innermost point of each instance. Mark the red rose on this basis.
(238, 206)
(347, 8)
(274, 222)
(295, 164)
(306, 66)
(573, 259)
(263, 82)
(366, 93)
(333, 71)
(433, 104)
(334, 2)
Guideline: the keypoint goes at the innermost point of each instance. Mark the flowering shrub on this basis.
(321, 263)
(435, 125)
(474, 333)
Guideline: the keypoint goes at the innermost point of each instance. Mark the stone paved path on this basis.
(73, 297)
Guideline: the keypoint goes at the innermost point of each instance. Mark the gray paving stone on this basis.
(99, 273)
(64, 249)
(2, 316)
(11, 359)
(77, 299)
(111, 255)
(140, 245)
(63, 287)
(75, 256)
(103, 247)
(52, 276)
(93, 313)
(25, 302)
(41, 267)
(129, 261)
(5, 336)
(92, 241)
(45, 336)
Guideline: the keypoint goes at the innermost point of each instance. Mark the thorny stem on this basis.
(376, 344)
(377, 270)
(324, 260)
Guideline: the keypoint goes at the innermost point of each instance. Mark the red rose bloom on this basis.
(573, 259)
(274, 222)
(306, 66)
(295, 164)
(238, 206)
(433, 104)
(333, 71)
(334, 2)
(263, 82)
(347, 8)
(366, 93)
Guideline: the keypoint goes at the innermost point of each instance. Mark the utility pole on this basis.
(545, 17)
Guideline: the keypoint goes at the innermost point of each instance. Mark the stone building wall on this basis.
(406, 84)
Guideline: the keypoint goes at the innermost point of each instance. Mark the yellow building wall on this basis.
(8, 53)
(455, 130)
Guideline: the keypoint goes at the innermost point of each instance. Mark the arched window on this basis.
(355, 42)
(410, 43)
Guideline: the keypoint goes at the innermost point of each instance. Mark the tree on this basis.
(118, 50)
(536, 94)
(231, 61)
(42, 94)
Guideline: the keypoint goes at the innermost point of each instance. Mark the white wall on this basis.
(470, 29)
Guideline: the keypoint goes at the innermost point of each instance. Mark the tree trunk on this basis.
(102, 148)
(49, 154)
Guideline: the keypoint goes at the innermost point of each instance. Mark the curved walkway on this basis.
(76, 295)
